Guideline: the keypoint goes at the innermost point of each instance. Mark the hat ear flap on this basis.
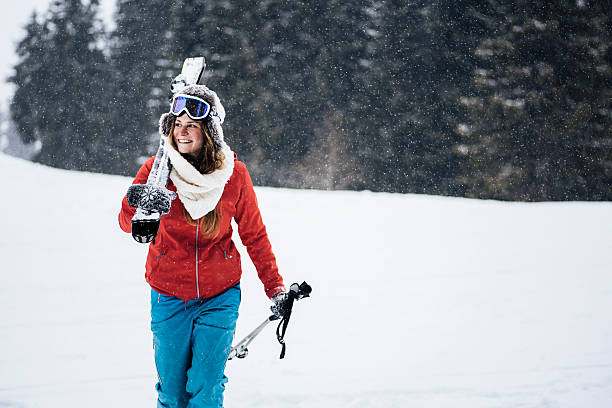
(165, 123)
(218, 107)
(213, 132)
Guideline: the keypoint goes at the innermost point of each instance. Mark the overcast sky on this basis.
(12, 31)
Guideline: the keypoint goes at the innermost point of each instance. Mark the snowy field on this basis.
(417, 301)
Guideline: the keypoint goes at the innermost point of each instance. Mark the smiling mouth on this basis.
(184, 141)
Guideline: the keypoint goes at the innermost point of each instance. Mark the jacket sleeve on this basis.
(127, 212)
(253, 234)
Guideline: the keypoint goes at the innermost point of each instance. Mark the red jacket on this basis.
(171, 266)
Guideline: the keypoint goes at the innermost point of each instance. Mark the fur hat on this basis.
(212, 122)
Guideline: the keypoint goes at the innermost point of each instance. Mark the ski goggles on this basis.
(195, 107)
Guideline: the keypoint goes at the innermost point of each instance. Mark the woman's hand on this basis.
(279, 307)
(150, 197)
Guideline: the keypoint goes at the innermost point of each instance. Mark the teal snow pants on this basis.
(192, 342)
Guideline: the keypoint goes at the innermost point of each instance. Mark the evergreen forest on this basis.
(496, 99)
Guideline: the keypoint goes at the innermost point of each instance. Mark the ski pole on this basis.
(240, 350)
(296, 292)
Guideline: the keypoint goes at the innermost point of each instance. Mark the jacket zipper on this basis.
(196, 260)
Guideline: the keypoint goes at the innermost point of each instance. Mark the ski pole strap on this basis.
(282, 326)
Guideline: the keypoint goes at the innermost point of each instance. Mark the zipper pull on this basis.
(225, 254)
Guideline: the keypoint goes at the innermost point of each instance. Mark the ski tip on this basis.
(193, 68)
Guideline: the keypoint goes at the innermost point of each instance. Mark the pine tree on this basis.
(402, 89)
(141, 77)
(315, 56)
(61, 95)
(542, 124)
(28, 108)
(455, 32)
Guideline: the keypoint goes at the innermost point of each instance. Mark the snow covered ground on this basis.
(417, 301)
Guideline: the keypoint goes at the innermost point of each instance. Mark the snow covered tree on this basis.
(141, 78)
(29, 72)
(455, 32)
(60, 79)
(314, 57)
(541, 126)
(404, 144)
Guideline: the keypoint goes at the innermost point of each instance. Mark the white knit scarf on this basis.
(198, 192)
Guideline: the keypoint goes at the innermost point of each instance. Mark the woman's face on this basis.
(188, 135)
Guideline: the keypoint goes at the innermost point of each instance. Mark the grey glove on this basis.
(150, 197)
(280, 305)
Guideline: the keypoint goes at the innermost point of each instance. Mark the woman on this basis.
(193, 266)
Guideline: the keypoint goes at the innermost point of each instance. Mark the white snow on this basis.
(418, 301)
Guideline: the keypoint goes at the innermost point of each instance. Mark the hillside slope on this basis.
(417, 300)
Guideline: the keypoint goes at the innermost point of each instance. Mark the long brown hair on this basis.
(208, 160)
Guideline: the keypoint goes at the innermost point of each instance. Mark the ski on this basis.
(145, 223)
